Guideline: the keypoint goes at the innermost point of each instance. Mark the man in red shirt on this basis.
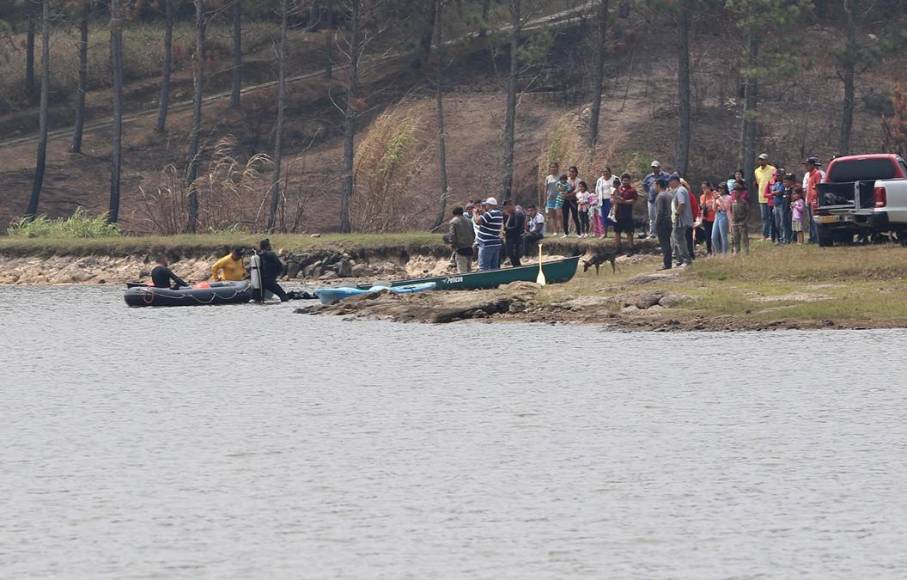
(813, 177)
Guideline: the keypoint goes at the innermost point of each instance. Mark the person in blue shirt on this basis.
(648, 185)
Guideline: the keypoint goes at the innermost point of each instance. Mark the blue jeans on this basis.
(720, 242)
(778, 224)
(813, 232)
(490, 257)
(767, 220)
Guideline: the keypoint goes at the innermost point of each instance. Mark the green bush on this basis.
(79, 225)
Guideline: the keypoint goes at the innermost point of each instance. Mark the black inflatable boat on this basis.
(202, 295)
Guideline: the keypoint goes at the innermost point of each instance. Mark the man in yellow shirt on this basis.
(764, 174)
(230, 267)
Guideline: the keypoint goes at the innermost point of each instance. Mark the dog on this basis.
(597, 259)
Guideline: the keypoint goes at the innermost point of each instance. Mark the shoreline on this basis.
(776, 288)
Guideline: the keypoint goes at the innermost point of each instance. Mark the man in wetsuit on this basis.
(271, 269)
(161, 275)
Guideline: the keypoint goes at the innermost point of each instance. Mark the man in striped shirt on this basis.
(491, 226)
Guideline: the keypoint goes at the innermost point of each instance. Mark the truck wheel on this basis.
(826, 236)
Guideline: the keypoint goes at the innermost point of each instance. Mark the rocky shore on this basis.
(801, 287)
(526, 302)
(318, 267)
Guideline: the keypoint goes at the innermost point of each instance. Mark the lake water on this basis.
(249, 442)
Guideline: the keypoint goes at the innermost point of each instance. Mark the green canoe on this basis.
(556, 272)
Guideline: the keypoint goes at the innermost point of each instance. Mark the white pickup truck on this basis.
(891, 205)
(862, 195)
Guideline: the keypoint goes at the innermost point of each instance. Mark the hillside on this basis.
(799, 115)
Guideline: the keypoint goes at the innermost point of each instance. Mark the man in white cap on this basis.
(764, 174)
(490, 235)
(648, 184)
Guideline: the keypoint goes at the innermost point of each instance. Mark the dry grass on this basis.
(143, 54)
(389, 161)
(850, 286)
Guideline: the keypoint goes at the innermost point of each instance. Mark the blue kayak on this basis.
(333, 295)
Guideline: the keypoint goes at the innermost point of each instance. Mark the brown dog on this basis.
(596, 260)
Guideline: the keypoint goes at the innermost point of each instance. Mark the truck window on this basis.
(862, 170)
(903, 166)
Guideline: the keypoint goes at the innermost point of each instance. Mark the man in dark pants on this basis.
(271, 269)
(514, 225)
(663, 226)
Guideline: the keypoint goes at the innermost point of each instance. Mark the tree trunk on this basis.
(116, 65)
(442, 131)
(167, 68)
(235, 95)
(428, 32)
(195, 133)
(683, 88)
(483, 26)
(598, 73)
(349, 121)
(30, 50)
(329, 55)
(750, 111)
(848, 76)
(76, 146)
(510, 120)
(41, 157)
(281, 109)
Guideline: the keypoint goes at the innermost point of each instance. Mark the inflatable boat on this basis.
(207, 293)
(333, 295)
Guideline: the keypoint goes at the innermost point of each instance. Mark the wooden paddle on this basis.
(540, 280)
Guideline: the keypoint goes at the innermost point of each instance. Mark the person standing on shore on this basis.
(552, 209)
(812, 178)
(663, 221)
(625, 199)
(570, 207)
(721, 228)
(683, 221)
(514, 225)
(605, 187)
(764, 174)
(583, 204)
(491, 225)
(782, 191)
(461, 237)
(739, 214)
(798, 208)
(648, 186)
(707, 203)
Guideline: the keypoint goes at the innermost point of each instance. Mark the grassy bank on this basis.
(191, 246)
(791, 287)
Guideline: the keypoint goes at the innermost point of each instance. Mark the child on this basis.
(584, 202)
(797, 208)
(563, 190)
(739, 215)
(551, 194)
(624, 199)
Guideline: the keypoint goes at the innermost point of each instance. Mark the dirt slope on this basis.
(638, 123)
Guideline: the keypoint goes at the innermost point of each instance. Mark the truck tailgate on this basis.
(847, 195)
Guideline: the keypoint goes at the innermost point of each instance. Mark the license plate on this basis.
(832, 219)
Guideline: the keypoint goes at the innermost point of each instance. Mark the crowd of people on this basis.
(717, 218)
